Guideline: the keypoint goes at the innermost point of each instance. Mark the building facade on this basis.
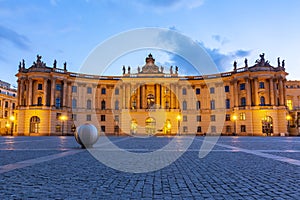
(250, 100)
(8, 104)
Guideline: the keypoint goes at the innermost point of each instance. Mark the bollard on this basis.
(86, 135)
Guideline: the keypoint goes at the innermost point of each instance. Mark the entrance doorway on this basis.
(267, 125)
(150, 126)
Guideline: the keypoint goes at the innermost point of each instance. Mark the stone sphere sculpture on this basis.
(86, 135)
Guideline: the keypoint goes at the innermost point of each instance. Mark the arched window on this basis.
(103, 105)
(198, 105)
(262, 101)
(184, 105)
(89, 104)
(39, 101)
(243, 101)
(74, 103)
(116, 105)
(34, 124)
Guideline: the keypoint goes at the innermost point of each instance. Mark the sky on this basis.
(227, 30)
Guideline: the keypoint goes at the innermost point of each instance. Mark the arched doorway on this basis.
(267, 125)
(34, 124)
(167, 127)
(150, 126)
(133, 127)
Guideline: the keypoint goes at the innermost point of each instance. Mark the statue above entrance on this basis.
(150, 67)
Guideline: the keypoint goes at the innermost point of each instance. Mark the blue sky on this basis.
(227, 29)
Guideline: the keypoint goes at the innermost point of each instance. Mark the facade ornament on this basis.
(171, 69)
(176, 69)
(23, 63)
(234, 65)
(246, 62)
(128, 69)
(54, 64)
(65, 65)
(278, 62)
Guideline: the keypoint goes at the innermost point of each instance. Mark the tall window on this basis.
(226, 87)
(213, 118)
(243, 128)
(133, 103)
(89, 104)
(74, 103)
(116, 105)
(103, 105)
(198, 118)
(58, 87)
(199, 129)
(74, 89)
(242, 86)
(184, 91)
(34, 124)
(39, 101)
(117, 91)
(227, 102)
(262, 100)
(198, 105)
(212, 105)
(6, 104)
(197, 90)
(261, 85)
(103, 91)
(242, 116)
(40, 86)
(13, 106)
(243, 101)
(184, 105)
(89, 90)
(57, 102)
(102, 118)
(212, 90)
(227, 118)
(88, 117)
(289, 104)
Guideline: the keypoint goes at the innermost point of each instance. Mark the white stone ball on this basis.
(86, 135)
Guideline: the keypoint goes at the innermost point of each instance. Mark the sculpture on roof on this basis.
(65, 65)
(123, 69)
(246, 62)
(54, 64)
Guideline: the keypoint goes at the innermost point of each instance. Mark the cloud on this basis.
(220, 39)
(15, 38)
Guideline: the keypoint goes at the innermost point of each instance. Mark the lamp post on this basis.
(63, 118)
(234, 117)
(12, 119)
(7, 125)
(178, 123)
(288, 118)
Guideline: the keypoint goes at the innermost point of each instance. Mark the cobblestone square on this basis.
(236, 168)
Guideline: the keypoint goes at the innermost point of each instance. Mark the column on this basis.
(236, 98)
(123, 95)
(281, 93)
(157, 95)
(171, 96)
(29, 93)
(64, 94)
(176, 96)
(138, 97)
(248, 90)
(272, 95)
(45, 92)
(163, 89)
(255, 82)
(53, 82)
(143, 102)
(284, 92)
(69, 103)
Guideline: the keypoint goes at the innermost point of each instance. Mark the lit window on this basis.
(289, 104)
(243, 116)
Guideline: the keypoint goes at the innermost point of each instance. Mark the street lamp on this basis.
(63, 118)
(288, 118)
(234, 117)
(12, 119)
(178, 123)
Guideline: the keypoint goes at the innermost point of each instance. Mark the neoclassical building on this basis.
(250, 100)
(8, 104)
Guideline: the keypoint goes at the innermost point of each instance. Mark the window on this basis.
(213, 118)
(58, 116)
(89, 104)
(74, 89)
(40, 86)
(243, 128)
(58, 128)
(34, 124)
(262, 100)
(185, 129)
(243, 101)
(198, 105)
(39, 101)
(242, 86)
(88, 118)
(227, 117)
(6, 114)
(57, 103)
(103, 91)
(212, 90)
(184, 105)
(261, 85)
(226, 87)
(58, 87)
(213, 129)
(74, 103)
(198, 118)
(117, 91)
(102, 118)
(289, 104)
(103, 105)
(184, 118)
(167, 104)
(212, 105)
(243, 116)
(199, 129)
(197, 90)
(13, 106)
(6, 104)
(89, 90)
(184, 91)
(74, 117)
(116, 118)
(116, 105)
(103, 128)
(227, 102)
(228, 129)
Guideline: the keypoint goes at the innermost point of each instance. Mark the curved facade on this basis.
(250, 100)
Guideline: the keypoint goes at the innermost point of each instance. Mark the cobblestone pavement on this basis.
(236, 168)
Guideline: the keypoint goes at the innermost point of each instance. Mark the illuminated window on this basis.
(289, 104)
(34, 124)
(243, 116)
